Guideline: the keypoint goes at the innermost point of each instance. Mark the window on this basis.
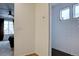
(64, 14)
(70, 12)
(76, 10)
(8, 27)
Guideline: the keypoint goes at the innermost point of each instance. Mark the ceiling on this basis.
(7, 6)
(4, 10)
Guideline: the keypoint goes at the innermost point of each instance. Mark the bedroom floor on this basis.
(59, 53)
(5, 49)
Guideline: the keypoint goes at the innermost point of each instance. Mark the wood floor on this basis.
(59, 53)
(33, 54)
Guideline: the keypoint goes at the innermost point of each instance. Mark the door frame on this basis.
(49, 48)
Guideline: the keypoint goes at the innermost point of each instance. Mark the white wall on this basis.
(42, 29)
(24, 42)
(65, 34)
(31, 29)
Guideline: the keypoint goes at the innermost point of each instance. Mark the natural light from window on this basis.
(8, 27)
(76, 10)
(64, 14)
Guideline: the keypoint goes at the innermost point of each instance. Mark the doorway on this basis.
(6, 29)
